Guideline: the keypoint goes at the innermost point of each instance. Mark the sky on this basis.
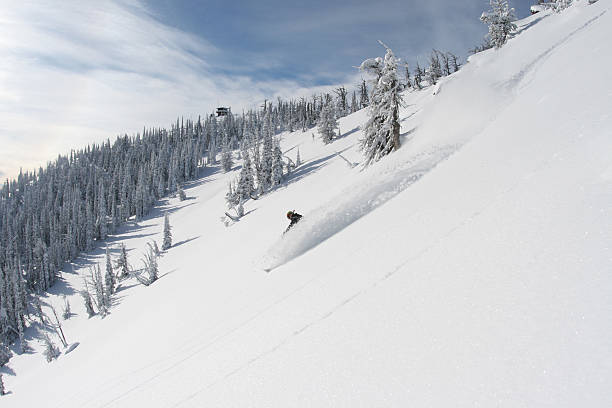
(74, 73)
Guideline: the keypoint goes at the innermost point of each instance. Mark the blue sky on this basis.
(320, 41)
(74, 72)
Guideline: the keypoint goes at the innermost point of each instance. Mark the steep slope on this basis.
(469, 268)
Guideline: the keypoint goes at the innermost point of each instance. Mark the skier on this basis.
(294, 218)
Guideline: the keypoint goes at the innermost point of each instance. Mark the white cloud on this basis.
(76, 72)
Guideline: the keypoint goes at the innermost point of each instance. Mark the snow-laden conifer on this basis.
(246, 183)
(561, 5)
(66, 311)
(5, 355)
(231, 197)
(418, 76)
(122, 263)
(277, 164)
(364, 98)
(102, 301)
(87, 302)
(51, 350)
(109, 277)
(2, 389)
(181, 193)
(226, 159)
(167, 243)
(500, 21)
(266, 155)
(101, 221)
(150, 266)
(327, 123)
(381, 131)
(156, 250)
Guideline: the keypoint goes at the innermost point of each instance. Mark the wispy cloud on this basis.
(76, 72)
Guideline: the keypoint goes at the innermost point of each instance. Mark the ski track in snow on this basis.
(516, 79)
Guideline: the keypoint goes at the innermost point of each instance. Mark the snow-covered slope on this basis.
(470, 268)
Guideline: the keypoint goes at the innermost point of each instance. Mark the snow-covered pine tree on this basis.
(341, 101)
(454, 63)
(5, 355)
(354, 104)
(277, 164)
(2, 389)
(408, 83)
(561, 5)
(181, 193)
(226, 159)
(102, 226)
(87, 302)
(381, 131)
(418, 76)
(327, 123)
(66, 312)
(122, 263)
(167, 243)
(109, 277)
(156, 250)
(101, 298)
(364, 99)
(500, 21)
(298, 160)
(434, 71)
(89, 227)
(246, 183)
(51, 350)
(266, 155)
(150, 266)
(231, 197)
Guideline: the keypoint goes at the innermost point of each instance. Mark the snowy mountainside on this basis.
(471, 267)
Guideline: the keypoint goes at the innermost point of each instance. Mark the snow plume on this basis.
(352, 204)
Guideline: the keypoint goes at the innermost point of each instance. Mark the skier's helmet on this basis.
(289, 214)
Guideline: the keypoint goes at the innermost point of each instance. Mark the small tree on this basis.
(298, 160)
(167, 233)
(500, 21)
(327, 123)
(150, 267)
(100, 300)
(155, 248)
(181, 193)
(561, 5)
(246, 182)
(226, 160)
(51, 350)
(5, 355)
(232, 196)
(122, 263)
(88, 303)
(240, 209)
(381, 132)
(109, 277)
(2, 390)
(66, 312)
(277, 165)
